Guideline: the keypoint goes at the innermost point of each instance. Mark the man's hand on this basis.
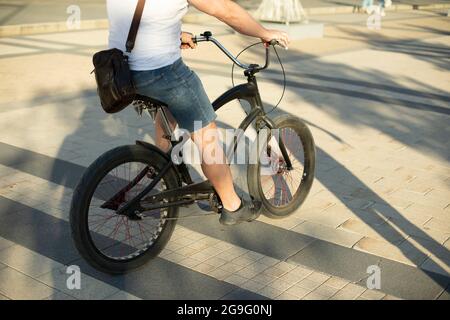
(186, 41)
(280, 36)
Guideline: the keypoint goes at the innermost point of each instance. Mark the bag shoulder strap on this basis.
(135, 25)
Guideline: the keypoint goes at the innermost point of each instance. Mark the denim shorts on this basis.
(181, 89)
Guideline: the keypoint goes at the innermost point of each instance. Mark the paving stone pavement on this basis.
(42, 277)
(381, 189)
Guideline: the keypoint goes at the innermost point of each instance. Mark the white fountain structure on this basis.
(289, 16)
(281, 11)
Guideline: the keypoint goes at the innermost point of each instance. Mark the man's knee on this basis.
(206, 134)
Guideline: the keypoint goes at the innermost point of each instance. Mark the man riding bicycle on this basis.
(158, 71)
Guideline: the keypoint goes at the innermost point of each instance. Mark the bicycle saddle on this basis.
(149, 101)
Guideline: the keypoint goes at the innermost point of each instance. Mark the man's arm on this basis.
(240, 20)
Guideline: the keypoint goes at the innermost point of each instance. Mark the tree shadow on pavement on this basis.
(16, 9)
(426, 129)
(433, 53)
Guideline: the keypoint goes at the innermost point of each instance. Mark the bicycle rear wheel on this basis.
(282, 190)
(115, 243)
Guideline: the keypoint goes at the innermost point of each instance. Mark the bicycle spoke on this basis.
(280, 186)
(123, 238)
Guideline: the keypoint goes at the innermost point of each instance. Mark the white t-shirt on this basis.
(158, 38)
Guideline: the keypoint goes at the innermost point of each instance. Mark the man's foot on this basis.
(248, 211)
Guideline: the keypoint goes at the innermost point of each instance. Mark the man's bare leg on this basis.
(214, 165)
(218, 171)
(219, 174)
(160, 141)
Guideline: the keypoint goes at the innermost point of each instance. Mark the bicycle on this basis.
(125, 207)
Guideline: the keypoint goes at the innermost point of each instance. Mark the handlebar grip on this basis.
(273, 42)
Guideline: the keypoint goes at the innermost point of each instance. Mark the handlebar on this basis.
(207, 36)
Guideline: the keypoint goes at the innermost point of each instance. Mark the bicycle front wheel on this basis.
(114, 243)
(280, 189)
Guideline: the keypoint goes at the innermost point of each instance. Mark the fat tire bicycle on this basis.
(125, 207)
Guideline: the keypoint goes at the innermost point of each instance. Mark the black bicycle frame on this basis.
(188, 194)
(202, 190)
